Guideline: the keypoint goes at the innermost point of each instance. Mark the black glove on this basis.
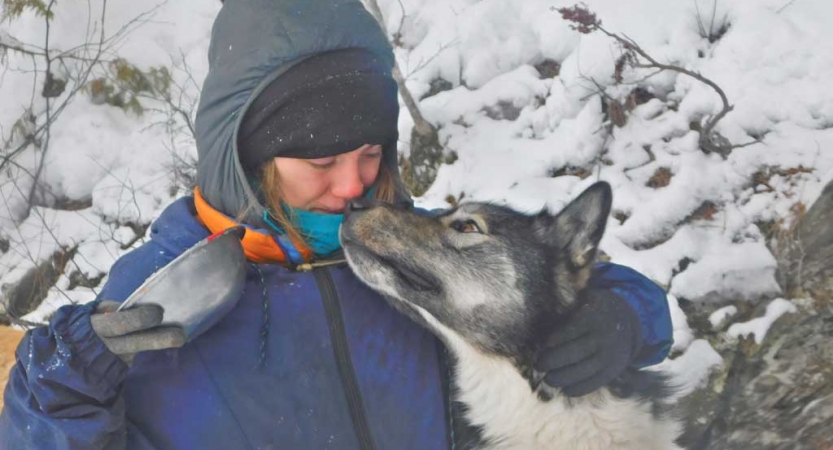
(133, 330)
(592, 346)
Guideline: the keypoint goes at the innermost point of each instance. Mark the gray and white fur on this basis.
(491, 282)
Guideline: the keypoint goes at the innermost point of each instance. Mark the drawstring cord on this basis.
(450, 411)
(307, 267)
(264, 326)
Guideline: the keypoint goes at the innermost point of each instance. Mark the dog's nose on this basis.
(356, 205)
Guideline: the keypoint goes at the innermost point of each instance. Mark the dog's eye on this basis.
(466, 226)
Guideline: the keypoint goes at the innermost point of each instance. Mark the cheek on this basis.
(369, 171)
(301, 185)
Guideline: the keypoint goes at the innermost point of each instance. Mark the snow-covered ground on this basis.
(512, 129)
(120, 162)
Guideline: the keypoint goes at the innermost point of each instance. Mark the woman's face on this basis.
(325, 185)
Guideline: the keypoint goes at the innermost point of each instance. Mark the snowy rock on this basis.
(805, 257)
(759, 327)
(774, 395)
(718, 317)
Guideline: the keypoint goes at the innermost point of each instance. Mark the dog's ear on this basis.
(575, 232)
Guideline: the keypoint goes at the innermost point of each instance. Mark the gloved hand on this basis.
(593, 345)
(133, 330)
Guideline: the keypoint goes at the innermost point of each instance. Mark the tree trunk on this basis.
(426, 155)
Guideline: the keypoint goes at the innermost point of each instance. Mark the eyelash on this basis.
(332, 163)
(323, 166)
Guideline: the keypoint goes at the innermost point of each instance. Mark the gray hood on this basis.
(252, 43)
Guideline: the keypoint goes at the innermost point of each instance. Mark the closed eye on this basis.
(322, 163)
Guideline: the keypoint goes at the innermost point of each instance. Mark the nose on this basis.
(348, 183)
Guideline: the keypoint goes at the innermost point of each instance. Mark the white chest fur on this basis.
(500, 401)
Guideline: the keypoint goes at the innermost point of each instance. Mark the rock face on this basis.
(777, 395)
(23, 297)
(427, 155)
(805, 256)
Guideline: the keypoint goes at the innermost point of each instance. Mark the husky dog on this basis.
(489, 282)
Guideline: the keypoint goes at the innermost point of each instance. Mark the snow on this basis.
(99, 154)
(781, 91)
(721, 315)
(758, 327)
(683, 335)
(691, 370)
(510, 129)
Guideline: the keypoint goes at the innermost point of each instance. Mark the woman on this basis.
(298, 115)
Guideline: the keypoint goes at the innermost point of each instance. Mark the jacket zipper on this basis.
(338, 337)
(444, 365)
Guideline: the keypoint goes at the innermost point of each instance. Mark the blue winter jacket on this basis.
(336, 356)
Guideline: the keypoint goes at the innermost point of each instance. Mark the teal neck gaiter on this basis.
(319, 229)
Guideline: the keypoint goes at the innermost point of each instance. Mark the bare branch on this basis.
(48, 227)
(27, 325)
(398, 34)
(17, 46)
(88, 59)
(49, 78)
(629, 44)
(710, 141)
(422, 126)
(700, 28)
(781, 9)
(756, 141)
(714, 14)
(424, 63)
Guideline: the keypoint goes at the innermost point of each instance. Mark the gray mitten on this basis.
(134, 330)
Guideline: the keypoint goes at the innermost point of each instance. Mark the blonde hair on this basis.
(270, 188)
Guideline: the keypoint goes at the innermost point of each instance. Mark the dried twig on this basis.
(710, 141)
(27, 325)
(49, 80)
(781, 9)
(423, 63)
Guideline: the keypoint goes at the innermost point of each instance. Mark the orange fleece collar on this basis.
(259, 247)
